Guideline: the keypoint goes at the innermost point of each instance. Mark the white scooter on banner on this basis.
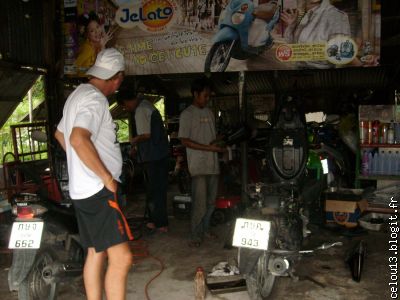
(244, 31)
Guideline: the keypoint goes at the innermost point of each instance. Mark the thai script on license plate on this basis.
(251, 234)
(26, 235)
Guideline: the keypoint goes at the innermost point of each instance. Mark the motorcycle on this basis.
(330, 151)
(44, 238)
(270, 234)
(46, 247)
(232, 39)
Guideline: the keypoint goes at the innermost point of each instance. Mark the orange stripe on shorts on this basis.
(115, 205)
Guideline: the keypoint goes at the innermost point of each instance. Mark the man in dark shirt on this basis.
(153, 152)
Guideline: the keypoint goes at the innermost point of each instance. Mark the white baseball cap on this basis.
(108, 63)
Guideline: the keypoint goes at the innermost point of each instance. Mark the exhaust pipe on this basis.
(59, 271)
(279, 266)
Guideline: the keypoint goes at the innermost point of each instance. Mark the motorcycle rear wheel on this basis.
(260, 281)
(33, 287)
(218, 57)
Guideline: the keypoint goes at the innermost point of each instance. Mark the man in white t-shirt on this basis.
(87, 134)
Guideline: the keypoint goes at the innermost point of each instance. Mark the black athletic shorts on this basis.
(101, 223)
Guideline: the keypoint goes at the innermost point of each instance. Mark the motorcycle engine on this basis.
(280, 205)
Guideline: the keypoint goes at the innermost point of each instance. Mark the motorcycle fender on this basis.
(225, 34)
(22, 263)
(248, 259)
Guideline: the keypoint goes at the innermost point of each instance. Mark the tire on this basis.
(218, 57)
(184, 182)
(33, 287)
(260, 281)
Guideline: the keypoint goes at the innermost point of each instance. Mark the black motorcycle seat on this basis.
(287, 145)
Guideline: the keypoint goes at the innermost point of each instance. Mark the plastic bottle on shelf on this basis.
(375, 164)
(386, 163)
(199, 285)
(392, 163)
(370, 163)
(364, 164)
(397, 133)
(390, 133)
(382, 157)
(397, 163)
(383, 135)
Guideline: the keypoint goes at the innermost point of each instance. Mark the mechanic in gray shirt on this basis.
(197, 132)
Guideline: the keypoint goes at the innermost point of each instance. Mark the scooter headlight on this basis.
(222, 16)
(237, 18)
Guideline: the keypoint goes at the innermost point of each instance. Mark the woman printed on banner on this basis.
(96, 39)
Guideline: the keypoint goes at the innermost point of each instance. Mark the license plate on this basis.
(26, 235)
(251, 234)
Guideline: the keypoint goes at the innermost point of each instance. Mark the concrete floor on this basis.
(323, 276)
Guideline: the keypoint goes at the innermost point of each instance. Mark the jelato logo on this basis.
(150, 15)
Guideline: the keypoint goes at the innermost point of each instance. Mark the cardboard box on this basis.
(383, 113)
(345, 207)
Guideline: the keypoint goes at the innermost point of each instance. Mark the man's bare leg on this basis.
(93, 274)
(119, 264)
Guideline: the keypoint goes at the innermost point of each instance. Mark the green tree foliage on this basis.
(21, 111)
(123, 130)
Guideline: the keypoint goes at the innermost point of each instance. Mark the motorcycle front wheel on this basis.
(33, 287)
(218, 57)
(260, 281)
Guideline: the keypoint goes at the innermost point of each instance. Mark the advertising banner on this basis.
(188, 36)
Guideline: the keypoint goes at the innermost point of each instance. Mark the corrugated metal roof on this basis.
(21, 31)
(14, 85)
(258, 83)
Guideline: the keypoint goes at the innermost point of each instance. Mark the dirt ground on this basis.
(322, 276)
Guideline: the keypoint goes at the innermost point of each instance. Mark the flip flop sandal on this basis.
(162, 230)
(211, 236)
(194, 244)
